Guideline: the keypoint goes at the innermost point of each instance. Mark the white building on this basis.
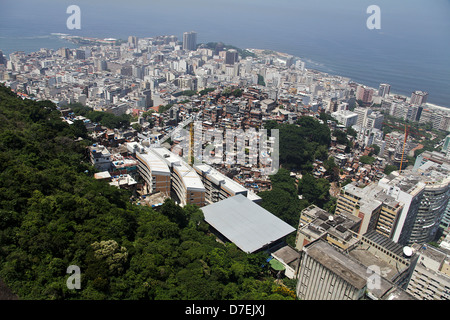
(345, 117)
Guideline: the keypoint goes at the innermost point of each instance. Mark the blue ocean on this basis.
(410, 50)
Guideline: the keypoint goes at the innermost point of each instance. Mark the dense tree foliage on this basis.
(300, 145)
(315, 191)
(367, 159)
(54, 214)
(283, 200)
(106, 119)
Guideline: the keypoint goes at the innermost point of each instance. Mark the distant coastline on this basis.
(77, 41)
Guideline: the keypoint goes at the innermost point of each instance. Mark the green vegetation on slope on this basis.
(54, 214)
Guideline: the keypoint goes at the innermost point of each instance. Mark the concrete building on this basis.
(384, 90)
(338, 230)
(190, 41)
(186, 185)
(231, 57)
(424, 193)
(392, 259)
(249, 226)
(100, 157)
(439, 160)
(362, 203)
(374, 120)
(345, 117)
(364, 94)
(419, 97)
(326, 273)
(430, 278)
(378, 211)
(433, 156)
(219, 187)
(362, 115)
(289, 259)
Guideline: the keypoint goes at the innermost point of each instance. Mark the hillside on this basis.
(54, 214)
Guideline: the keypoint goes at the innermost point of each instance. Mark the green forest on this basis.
(54, 214)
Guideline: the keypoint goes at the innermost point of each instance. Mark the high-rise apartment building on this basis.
(430, 279)
(2, 58)
(407, 208)
(384, 89)
(419, 97)
(424, 193)
(446, 146)
(190, 41)
(374, 120)
(364, 94)
(231, 56)
(377, 210)
(362, 115)
(133, 41)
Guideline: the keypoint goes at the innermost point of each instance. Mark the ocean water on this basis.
(410, 51)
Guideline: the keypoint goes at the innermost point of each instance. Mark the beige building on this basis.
(362, 203)
(377, 210)
(368, 270)
(155, 172)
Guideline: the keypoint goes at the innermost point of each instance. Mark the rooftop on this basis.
(245, 223)
(288, 255)
(156, 164)
(347, 267)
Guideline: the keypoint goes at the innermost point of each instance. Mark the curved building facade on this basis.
(186, 185)
(155, 172)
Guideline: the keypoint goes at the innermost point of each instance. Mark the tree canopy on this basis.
(301, 143)
(54, 214)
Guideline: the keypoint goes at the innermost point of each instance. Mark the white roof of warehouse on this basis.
(249, 226)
